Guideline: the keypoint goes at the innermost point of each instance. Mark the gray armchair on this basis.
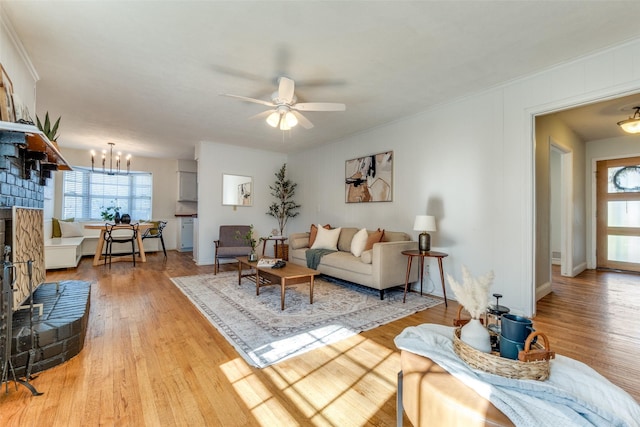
(229, 245)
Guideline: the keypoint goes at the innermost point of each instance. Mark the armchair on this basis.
(228, 245)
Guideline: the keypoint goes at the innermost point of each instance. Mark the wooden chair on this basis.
(120, 233)
(229, 245)
(156, 233)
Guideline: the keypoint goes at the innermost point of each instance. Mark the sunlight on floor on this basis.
(326, 386)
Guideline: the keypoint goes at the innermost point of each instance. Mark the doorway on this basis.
(561, 207)
(618, 214)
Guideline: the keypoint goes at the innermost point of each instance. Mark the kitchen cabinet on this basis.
(185, 234)
(187, 187)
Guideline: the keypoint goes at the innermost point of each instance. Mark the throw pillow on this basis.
(71, 229)
(55, 226)
(327, 239)
(346, 236)
(374, 237)
(154, 231)
(358, 242)
(367, 257)
(299, 243)
(314, 232)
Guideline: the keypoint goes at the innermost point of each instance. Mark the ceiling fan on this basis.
(286, 111)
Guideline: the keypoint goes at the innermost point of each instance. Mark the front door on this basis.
(618, 214)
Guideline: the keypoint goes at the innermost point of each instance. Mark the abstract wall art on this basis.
(369, 178)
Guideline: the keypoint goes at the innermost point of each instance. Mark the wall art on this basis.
(369, 178)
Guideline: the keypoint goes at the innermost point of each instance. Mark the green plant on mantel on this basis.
(284, 207)
(47, 129)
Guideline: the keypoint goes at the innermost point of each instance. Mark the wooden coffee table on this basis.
(291, 274)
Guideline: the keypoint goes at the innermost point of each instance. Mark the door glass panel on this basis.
(624, 248)
(625, 213)
(624, 179)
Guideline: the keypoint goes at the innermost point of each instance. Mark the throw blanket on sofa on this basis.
(314, 256)
(573, 395)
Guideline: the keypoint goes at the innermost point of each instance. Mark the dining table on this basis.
(142, 226)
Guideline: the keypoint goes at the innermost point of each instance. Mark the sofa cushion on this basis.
(358, 242)
(346, 235)
(367, 256)
(327, 239)
(395, 236)
(313, 232)
(70, 229)
(345, 261)
(298, 242)
(374, 237)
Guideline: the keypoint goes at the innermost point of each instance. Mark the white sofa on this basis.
(381, 267)
(65, 252)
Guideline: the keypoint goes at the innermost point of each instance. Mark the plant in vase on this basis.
(110, 213)
(249, 240)
(473, 295)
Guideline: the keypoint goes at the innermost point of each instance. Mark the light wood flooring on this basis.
(151, 359)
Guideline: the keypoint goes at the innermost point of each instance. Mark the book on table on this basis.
(267, 262)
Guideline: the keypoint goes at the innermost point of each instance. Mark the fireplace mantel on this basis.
(35, 141)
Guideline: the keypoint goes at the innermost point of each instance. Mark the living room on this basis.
(477, 178)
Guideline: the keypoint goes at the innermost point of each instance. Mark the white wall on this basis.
(215, 159)
(476, 177)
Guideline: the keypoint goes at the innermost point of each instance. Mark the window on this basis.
(85, 193)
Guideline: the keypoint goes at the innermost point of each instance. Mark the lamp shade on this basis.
(424, 223)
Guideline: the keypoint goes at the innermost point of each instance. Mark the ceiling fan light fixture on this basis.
(273, 119)
(290, 119)
(632, 124)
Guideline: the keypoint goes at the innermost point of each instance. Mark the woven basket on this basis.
(281, 251)
(494, 364)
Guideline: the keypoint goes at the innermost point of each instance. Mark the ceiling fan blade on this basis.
(319, 106)
(245, 98)
(302, 120)
(286, 88)
(262, 115)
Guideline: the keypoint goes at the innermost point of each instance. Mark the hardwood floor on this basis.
(151, 359)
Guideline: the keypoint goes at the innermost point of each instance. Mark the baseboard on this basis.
(543, 290)
(556, 261)
(578, 269)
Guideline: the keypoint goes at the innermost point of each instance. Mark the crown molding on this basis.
(15, 40)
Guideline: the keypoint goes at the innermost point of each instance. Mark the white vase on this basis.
(476, 335)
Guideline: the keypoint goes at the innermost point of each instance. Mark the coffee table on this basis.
(291, 274)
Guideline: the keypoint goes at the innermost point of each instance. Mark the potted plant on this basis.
(47, 129)
(110, 213)
(251, 241)
(284, 207)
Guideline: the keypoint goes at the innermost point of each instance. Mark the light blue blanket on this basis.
(574, 394)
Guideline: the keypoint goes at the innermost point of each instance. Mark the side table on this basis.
(422, 255)
(276, 239)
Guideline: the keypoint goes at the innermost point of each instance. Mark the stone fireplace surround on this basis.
(27, 159)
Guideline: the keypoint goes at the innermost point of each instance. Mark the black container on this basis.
(126, 219)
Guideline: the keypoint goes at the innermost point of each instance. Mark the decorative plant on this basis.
(472, 293)
(248, 238)
(284, 207)
(109, 213)
(50, 132)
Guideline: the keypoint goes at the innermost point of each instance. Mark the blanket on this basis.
(315, 255)
(573, 395)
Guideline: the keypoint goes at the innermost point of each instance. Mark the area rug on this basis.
(263, 334)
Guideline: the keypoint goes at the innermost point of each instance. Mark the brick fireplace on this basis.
(41, 324)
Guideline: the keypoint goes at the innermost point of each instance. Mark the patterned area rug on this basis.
(263, 334)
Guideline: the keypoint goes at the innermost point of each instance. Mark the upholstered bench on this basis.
(62, 252)
(431, 396)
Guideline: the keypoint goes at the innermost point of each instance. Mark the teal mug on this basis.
(509, 348)
(515, 328)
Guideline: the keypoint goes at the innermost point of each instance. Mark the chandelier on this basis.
(632, 124)
(118, 158)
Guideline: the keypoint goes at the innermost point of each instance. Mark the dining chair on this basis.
(156, 233)
(120, 233)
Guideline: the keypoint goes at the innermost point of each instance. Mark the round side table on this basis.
(422, 255)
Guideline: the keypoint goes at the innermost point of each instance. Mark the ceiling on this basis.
(148, 75)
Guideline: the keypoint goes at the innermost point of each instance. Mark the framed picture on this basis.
(7, 112)
(369, 179)
(244, 193)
